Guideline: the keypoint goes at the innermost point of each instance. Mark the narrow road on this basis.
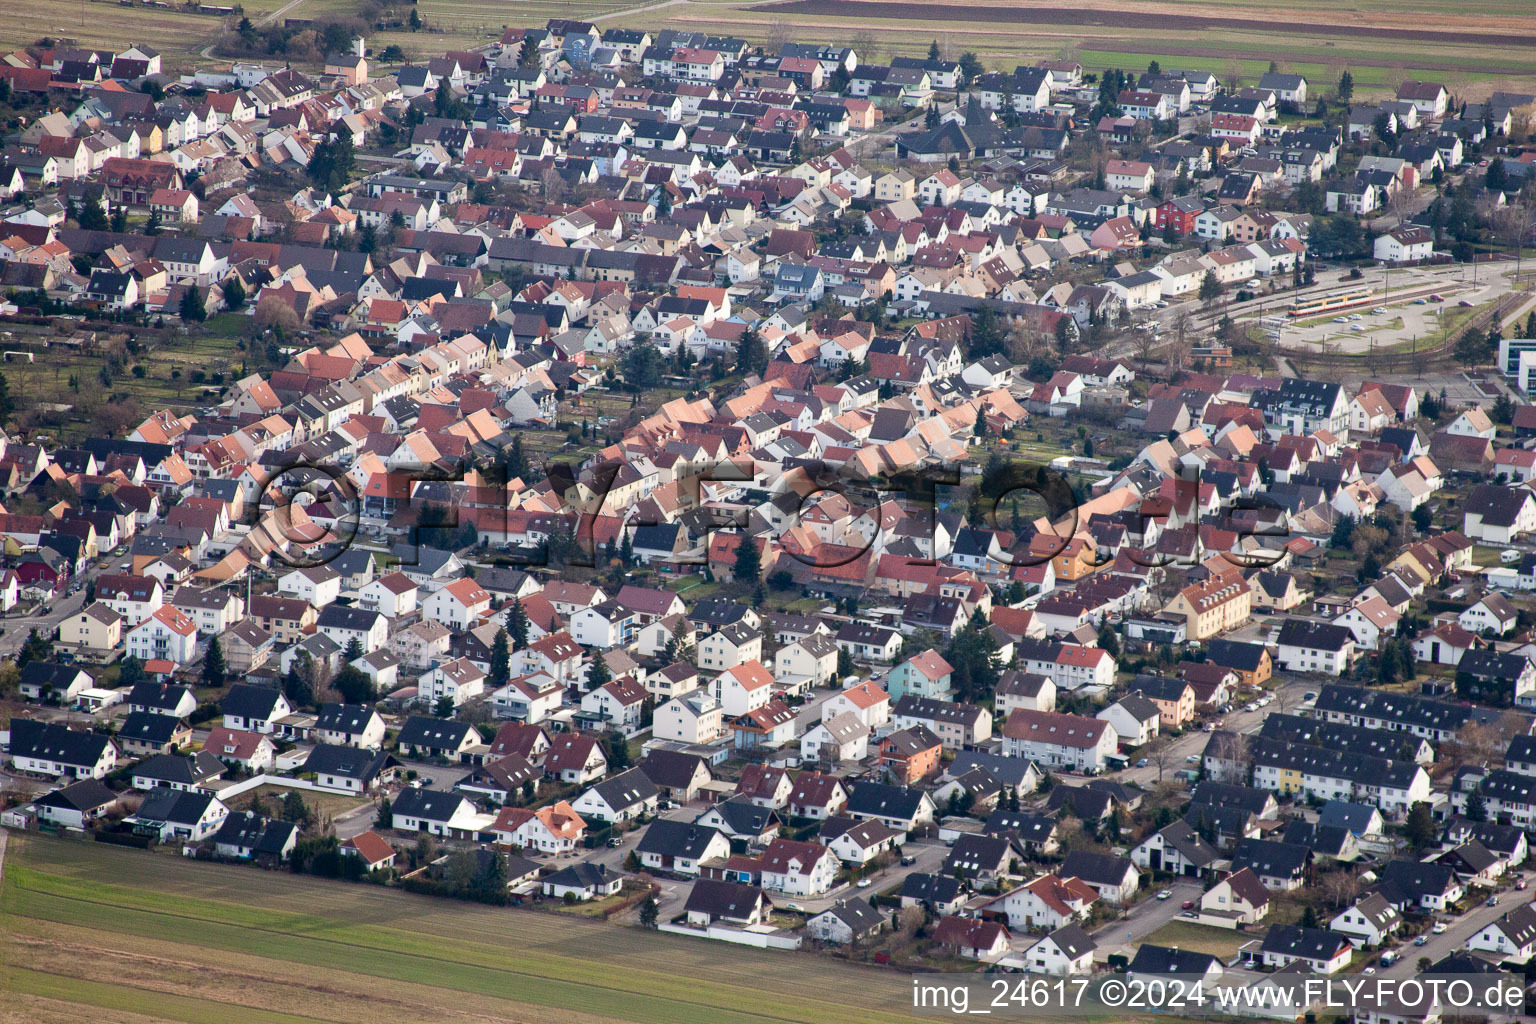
(1462, 927)
(639, 10)
(266, 19)
(1146, 917)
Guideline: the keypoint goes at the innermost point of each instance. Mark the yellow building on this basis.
(94, 628)
(1213, 606)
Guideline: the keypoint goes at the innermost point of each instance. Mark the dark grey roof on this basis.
(722, 899)
(1072, 940)
(48, 742)
(627, 789)
(262, 835)
(149, 727)
(973, 854)
(246, 701)
(1151, 959)
(1351, 816)
(1009, 770)
(671, 769)
(1190, 844)
(1028, 826)
(1097, 868)
(1226, 794)
(1405, 711)
(930, 888)
(583, 875)
(85, 795)
(164, 696)
(743, 817)
(857, 915)
(350, 719)
(676, 839)
(175, 806)
(420, 731)
(183, 769)
(1322, 636)
(1271, 859)
(347, 762)
(427, 804)
(876, 799)
(1311, 943)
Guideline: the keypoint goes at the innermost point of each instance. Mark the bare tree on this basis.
(1398, 205)
(1162, 755)
(273, 312)
(552, 184)
(1234, 76)
(1282, 699)
(1235, 753)
(1145, 340)
(1339, 888)
(1177, 352)
(1023, 341)
(779, 33)
(866, 46)
(1474, 744)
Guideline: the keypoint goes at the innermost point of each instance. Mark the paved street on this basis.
(56, 611)
(1455, 937)
(1145, 918)
(1193, 743)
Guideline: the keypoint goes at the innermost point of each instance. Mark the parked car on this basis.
(1440, 927)
(1188, 905)
(1142, 763)
(865, 883)
(1422, 940)
(1165, 894)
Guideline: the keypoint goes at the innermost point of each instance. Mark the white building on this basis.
(694, 717)
(1058, 740)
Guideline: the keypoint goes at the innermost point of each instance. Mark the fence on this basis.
(761, 940)
(257, 781)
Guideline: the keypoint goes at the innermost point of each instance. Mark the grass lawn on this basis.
(1487, 557)
(1217, 942)
(592, 908)
(332, 804)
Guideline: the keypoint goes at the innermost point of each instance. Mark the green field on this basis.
(90, 932)
(107, 23)
(1377, 65)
